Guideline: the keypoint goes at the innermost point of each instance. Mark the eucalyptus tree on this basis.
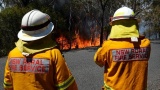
(152, 19)
(83, 15)
(107, 9)
(89, 14)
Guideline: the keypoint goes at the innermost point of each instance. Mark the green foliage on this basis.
(10, 20)
(152, 18)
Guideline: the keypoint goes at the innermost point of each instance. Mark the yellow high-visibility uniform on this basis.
(125, 63)
(45, 70)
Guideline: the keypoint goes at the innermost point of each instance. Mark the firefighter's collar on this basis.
(36, 46)
(124, 29)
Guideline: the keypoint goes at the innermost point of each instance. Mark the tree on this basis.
(151, 17)
(103, 7)
(10, 20)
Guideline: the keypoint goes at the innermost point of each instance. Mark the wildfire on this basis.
(78, 42)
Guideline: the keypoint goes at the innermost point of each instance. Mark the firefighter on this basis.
(125, 54)
(35, 63)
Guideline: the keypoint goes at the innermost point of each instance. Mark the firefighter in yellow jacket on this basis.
(125, 54)
(35, 63)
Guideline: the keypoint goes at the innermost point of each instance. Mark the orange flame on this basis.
(78, 42)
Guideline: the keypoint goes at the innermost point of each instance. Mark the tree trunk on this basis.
(101, 35)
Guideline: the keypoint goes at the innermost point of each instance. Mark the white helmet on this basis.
(123, 13)
(35, 25)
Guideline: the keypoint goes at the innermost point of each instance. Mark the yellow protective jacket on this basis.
(125, 63)
(45, 70)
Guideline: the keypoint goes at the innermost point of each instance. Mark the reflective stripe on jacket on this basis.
(46, 70)
(125, 62)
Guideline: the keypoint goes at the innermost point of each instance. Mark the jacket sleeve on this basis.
(63, 77)
(98, 58)
(7, 78)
